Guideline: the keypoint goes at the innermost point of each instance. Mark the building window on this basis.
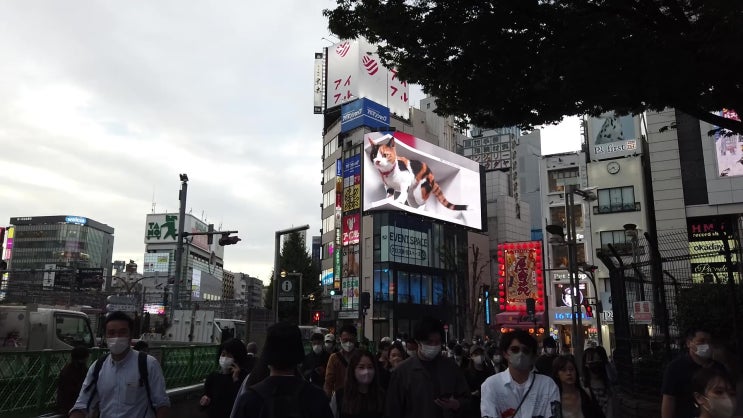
(617, 199)
(557, 215)
(556, 178)
(615, 238)
(467, 143)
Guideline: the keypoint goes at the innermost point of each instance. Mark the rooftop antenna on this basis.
(153, 199)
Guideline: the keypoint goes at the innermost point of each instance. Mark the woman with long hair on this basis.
(221, 388)
(714, 392)
(596, 379)
(362, 396)
(575, 402)
(477, 371)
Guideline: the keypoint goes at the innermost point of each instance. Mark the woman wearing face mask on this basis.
(714, 393)
(596, 379)
(575, 402)
(362, 396)
(220, 388)
(478, 370)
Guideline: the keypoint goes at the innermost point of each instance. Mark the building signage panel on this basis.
(707, 249)
(79, 220)
(364, 112)
(355, 71)
(350, 293)
(156, 262)
(520, 275)
(48, 281)
(348, 315)
(566, 317)
(162, 228)
(562, 294)
(455, 180)
(405, 246)
(286, 290)
(612, 136)
(728, 148)
(319, 83)
(196, 283)
(352, 171)
(351, 225)
(642, 312)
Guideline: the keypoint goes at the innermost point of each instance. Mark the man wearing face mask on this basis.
(427, 384)
(335, 372)
(678, 401)
(519, 392)
(549, 354)
(313, 366)
(114, 383)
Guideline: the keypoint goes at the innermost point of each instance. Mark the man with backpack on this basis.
(125, 382)
(282, 394)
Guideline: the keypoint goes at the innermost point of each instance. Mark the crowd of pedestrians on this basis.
(420, 376)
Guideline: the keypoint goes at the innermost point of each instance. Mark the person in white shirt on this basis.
(519, 392)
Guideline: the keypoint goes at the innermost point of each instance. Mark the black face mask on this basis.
(595, 367)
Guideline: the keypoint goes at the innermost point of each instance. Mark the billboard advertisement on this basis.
(706, 248)
(520, 275)
(405, 173)
(364, 112)
(351, 224)
(406, 246)
(162, 228)
(156, 262)
(728, 148)
(352, 183)
(611, 136)
(319, 77)
(354, 70)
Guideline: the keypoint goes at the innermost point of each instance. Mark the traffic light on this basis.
(589, 311)
(228, 240)
(316, 316)
(210, 237)
(335, 291)
(365, 300)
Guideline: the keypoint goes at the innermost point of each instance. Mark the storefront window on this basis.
(403, 287)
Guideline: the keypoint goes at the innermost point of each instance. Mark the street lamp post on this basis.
(277, 255)
(588, 270)
(179, 243)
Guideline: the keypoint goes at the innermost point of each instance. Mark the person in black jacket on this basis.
(313, 366)
(71, 379)
(220, 388)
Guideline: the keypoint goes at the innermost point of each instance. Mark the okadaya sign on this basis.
(364, 112)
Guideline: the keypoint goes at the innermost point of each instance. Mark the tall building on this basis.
(411, 258)
(202, 271)
(249, 289)
(65, 250)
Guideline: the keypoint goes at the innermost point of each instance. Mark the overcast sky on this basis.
(103, 104)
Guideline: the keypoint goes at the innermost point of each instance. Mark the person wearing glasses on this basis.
(519, 392)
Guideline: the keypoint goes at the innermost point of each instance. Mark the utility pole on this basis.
(179, 244)
(573, 273)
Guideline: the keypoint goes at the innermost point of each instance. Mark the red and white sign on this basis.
(354, 72)
(520, 275)
(642, 311)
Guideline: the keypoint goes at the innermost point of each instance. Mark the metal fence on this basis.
(28, 380)
(649, 279)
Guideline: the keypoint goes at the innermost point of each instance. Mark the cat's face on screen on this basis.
(383, 156)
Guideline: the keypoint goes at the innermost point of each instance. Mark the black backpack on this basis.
(280, 405)
(143, 378)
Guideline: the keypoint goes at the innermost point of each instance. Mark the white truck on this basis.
(38, 327)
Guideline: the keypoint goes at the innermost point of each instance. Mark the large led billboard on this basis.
(729, 148)
(520, 275)
(611, 136)
(402, 172)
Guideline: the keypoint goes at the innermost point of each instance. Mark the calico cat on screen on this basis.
(413, 179)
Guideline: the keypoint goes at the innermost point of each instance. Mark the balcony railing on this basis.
(627, 207)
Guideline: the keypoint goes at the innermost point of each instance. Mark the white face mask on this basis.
(411, 353)
(225, 363)
(497, 359)
(549, 351)
(317, 348)
(364, 376)
(347, 346)
(704, 351)
(720, 407)
(521, 361)
(429, 352)
(329, 346)
(477, 360)
(117, 345)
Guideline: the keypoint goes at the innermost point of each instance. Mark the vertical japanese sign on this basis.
(520, 277)
(319, 77)
(337, 253)
(352, 183)
(350, 286)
